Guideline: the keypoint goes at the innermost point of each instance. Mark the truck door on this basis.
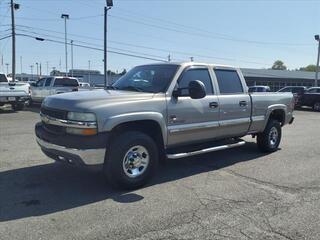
(193, 120)
(36, 91)
(47, 87)
(234, 102)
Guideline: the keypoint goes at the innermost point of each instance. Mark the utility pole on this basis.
(37, 70)
(7, 64)
(21, 64)
(65, 16)
(47, 68)
(105, 64)
(71, 58)
(317, 38)
(31, 67)
(89, 73)
(40, 70)
(14, 6)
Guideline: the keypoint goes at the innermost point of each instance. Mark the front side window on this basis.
(195, 74)
(228, 81)
(149, 78)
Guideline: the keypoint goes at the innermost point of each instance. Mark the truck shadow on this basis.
(44, 189)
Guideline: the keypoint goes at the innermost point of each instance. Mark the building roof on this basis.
(270, 73)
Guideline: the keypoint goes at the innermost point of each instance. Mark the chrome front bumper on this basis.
(72, 156)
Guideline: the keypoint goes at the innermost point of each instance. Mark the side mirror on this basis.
(197, 89)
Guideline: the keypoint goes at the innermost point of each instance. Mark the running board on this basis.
(205, 150)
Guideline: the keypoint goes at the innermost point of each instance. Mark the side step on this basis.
(205, 150)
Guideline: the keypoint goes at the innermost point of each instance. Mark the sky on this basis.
(251, 33)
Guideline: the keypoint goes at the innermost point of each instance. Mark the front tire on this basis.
(316, 106)
(131, 160)
(269, 139)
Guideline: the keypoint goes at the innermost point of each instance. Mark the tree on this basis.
(124, 71)
(309, 68)
(279, 65)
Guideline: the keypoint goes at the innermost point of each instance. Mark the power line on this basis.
(92, 48)
(152, 48)
(206, 35)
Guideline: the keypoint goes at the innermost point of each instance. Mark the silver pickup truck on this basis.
(159, 111)
(13, 92)
(48, 86)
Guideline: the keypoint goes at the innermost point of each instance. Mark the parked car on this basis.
(45, 87)
(84, 85)
(297, 91)
(259, 89)
(13, 93)
(310, 98)
(171, 110)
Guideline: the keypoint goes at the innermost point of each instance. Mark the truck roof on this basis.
(185, 64)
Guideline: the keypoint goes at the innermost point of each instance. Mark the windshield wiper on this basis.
(111, 87)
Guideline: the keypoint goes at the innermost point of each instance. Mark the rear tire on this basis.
(17, 106)
(316, 106)
(131, 160)
(269, 139)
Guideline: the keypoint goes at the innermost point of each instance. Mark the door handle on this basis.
(213, 105)
(243, 103)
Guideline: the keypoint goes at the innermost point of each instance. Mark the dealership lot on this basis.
(233, 194)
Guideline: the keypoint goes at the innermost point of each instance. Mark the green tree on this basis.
(279, 65)
(124, 71)
(309, 68)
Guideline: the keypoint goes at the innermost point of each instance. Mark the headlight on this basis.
(83, 117)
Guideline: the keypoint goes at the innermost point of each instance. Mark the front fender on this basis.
(114, 121)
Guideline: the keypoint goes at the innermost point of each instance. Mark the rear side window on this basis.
(195, 74)
(48, 82)
(229, 81)
(66, 82)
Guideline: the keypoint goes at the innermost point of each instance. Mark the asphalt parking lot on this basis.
(233, 194)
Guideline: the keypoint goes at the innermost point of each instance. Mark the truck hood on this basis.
(83, 100)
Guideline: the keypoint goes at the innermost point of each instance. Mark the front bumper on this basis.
(72, 156)
(72, 149)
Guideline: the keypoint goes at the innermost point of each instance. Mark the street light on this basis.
(65, 16)
(106, 8)
(317, 38)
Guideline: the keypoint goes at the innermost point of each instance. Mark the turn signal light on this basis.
(81, 131)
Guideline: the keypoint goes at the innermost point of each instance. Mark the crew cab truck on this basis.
(13, 92)
(48, 86)
(158, 111)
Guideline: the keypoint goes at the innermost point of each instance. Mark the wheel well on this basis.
(148, 127)
(278, 115)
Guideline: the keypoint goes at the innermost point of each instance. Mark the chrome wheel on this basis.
(135, 161)
(316, 106)
(273, 136)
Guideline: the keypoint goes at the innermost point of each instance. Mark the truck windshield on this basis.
(149, 78)
(3, 78)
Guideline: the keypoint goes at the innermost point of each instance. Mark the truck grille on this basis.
(56, 113)
(54, 129)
